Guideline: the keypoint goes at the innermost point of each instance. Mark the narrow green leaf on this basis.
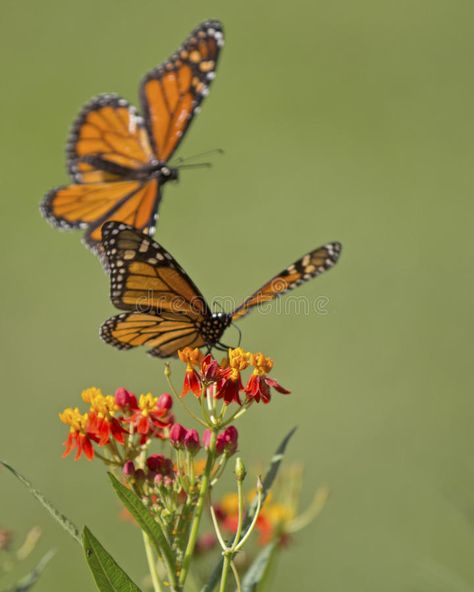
(108, 575)
(146, 521)
(68, 526)
(258, 568)
(267, 483)
(26, 583)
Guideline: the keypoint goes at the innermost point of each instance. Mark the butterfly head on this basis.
(161, 170)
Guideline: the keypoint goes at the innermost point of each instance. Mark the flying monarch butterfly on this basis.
(165, 310)
(118, 160)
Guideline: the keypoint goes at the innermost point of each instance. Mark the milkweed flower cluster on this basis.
(173, 467)
(225, 378)
(116, 420)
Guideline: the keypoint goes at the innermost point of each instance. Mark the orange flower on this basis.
(101, 421)
(192, 380)
(151, 417)
(259, 385)
(230, 384)
(78, 437)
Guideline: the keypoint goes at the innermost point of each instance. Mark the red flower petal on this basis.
(277, 386)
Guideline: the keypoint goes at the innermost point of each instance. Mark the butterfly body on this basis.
(212, 328)
(165, 310)
(116, 172)
(118, 159)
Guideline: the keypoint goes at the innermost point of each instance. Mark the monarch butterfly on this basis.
(165, 310)
(117, 159)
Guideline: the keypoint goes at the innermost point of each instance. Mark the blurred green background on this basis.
(341, 120)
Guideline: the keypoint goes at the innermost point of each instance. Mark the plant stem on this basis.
(151, 563)
(193, 534)
(236, 576)
(225, 572)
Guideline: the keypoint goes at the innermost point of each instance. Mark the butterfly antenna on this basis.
(180, 159)
(197, 165)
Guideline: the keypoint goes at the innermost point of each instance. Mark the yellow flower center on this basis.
(261, 363)
(239, 359)
(147, 403)
(76, 420)
(101, 405)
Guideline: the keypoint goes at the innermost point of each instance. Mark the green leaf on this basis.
(26, 583)
(146, 521)
(68, 526)
(108, 575)
(267, 483)
(258, 569)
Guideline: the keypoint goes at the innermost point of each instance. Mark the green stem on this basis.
(241, 513)
(236, 576)
(194, 532)
(151, 563)
(225, 572)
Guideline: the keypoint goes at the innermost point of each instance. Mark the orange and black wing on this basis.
(110, 133)
(309, 266)
(166, 308)
(164, 333)
(171, 93)
(108, 142)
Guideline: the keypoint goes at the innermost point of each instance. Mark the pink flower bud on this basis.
(159, 479)
(168, 482)
(128, 468)
(227, 441)
(165, 401)
(177, 435)
(191, 441)
(125, 398)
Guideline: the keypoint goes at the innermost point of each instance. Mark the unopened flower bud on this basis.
(177, 435)
(227, 441)
(128, 468)
(168, 482)
(240, 470)
(165, 401)
(124, 398)
(191, 441)
(159, 479)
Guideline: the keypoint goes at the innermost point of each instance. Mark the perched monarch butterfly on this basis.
(166, 311)
(117, 159)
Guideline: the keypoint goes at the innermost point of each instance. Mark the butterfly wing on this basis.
(108, 142)
(165, 333)
(166, 309)
(171, 93)
(309, 266)
(110, 132)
